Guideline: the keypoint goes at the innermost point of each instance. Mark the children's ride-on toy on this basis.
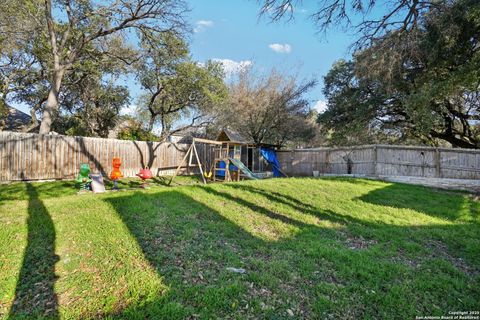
(116, 174)
(144, 174)
(83, 178)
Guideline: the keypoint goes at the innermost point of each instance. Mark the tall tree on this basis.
(269, 109)
(19, 66)
(429, 92)
(91, 108)
(73, 28)
(177, 88)
(371, 19)
(357, 109)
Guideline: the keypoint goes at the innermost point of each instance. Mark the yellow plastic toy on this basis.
(207, 174)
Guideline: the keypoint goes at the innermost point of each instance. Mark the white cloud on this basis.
(232, 67)
(202, 25)
(320, 106)
(280, 48)
(129, 110)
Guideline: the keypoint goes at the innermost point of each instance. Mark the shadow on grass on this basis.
(183, 238)
(190, 242)
(34, 294)
(39, 190)
(254, 207)
(356, 230)
(295, 204)
(439, 204)
(52, 189)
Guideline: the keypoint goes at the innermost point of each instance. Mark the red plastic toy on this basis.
(145, 174)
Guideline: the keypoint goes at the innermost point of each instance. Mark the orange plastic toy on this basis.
(116, 173)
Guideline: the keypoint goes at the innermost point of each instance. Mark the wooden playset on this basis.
(229, 158)
(233, 158)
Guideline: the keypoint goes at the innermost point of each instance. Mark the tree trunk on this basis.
(151, 123)
(51, 108)
(456, 142)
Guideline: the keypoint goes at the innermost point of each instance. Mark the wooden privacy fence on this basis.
(27, 156)
(384, 160)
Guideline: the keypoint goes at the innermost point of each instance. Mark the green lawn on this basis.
(311, 248)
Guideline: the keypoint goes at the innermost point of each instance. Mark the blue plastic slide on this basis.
(271, 157)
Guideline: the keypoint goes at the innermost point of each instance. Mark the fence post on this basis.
(375, 157)
(292, 158)
(327, 162)
(438, 171)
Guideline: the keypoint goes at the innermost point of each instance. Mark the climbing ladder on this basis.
(221, 155)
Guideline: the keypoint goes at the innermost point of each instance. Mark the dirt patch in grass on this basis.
(401, 258)
(436, 250)
(359, 243)
(440, 250)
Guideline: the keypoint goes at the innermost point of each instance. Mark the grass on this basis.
(44, 190)
(311, 248)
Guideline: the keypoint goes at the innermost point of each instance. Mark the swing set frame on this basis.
(191, 152)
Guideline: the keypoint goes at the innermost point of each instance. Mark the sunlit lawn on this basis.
(311, 248)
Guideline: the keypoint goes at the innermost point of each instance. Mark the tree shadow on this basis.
(178, 181)
(190, 244)
(91, 157)
(438, 240)
(296, 204)
(142, 157)
(255, 207)
(40, 190)
(34, 294)
(275, 196)
(184, 238)
(382, 232)
(148, 160)
(448, 206)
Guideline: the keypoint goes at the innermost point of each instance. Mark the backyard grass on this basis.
(310, 248)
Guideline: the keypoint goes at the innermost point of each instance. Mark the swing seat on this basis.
(208, 174)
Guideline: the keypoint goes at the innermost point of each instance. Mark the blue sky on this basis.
(232, 30)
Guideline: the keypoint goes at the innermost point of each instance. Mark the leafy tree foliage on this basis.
(177, 88)
(423, 86)
(92, 109)
(21, 73)
(64, 59)
(135, 130)
(56, 37)
(269, 109)
(3, 113)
